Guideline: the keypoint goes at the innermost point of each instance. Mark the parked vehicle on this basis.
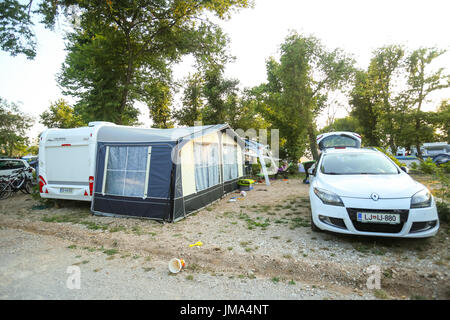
(363, 192)
(67, 162)
(19, 180)
(337, 140)
(8, 166)
(441, 159)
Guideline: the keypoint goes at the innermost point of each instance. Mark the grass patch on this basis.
(299, 222)
(66, 218)
(361, 248)
(94, 226)
(275, 279)
(110, 252)
(117, 228)
(190, 277)
(380, 294)
(137, 230)
(147, 269)
(72, 246)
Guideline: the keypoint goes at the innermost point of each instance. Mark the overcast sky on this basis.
(358, 27)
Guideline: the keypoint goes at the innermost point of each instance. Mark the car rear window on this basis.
(5, 165)
(339, 141)
(357, 163)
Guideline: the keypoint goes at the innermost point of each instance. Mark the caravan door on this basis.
(340, 139)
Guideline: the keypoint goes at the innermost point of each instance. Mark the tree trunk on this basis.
(312, 141)
(419, 152)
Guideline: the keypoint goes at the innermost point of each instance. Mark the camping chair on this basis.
(283, 171)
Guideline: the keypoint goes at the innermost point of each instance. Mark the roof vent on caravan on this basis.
(96, 123)
(339, 139)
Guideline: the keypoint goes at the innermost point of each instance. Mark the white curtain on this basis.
(230, 164)
(206, 158)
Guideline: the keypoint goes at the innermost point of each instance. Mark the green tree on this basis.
(383, 70)
(420, 85)
(61, 115)
(121, 46)
(298, 87)
(159, 101)
(16, 35)
(214, 99)
(348, 123)
(365, 109)
(193, 101)
(442, 121)
(13, 128)
(220, 95)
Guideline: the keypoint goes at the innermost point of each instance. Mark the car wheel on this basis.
(5, 191)
(27, 187)
(314, 228)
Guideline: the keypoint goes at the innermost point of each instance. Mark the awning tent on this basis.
(164, 174)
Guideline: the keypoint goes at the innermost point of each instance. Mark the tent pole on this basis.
(263, 166)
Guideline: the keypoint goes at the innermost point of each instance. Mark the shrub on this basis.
(427, 166)
(446, 167)
(256, 168)
(443, 211)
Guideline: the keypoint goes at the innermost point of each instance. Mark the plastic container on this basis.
(175, 265)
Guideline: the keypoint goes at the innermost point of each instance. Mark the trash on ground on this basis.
(197, 244)
(175, 265)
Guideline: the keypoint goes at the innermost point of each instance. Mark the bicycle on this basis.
(15, 182)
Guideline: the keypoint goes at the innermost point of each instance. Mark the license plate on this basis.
(368, 217)
(65, 190)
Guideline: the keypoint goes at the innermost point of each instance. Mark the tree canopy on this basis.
(14, 125)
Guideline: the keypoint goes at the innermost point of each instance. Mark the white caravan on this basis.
(67, 162)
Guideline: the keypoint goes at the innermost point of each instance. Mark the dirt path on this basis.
(263, 239)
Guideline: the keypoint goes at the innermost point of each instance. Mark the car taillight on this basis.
(91, 185)
(42, 183)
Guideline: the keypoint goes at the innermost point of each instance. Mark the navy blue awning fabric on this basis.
(156, 205)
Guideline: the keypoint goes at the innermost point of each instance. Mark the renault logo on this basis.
(375, 196)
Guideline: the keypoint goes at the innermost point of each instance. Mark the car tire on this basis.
(314, 228)
(27, 187)
(5, 191)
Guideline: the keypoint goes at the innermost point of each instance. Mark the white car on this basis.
(10, 166)
(363, 192)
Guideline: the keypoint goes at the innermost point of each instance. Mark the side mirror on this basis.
(312, 171)
(405, 169)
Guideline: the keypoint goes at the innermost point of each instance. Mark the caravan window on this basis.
(127, 171)
(206, 165)
(230, 164)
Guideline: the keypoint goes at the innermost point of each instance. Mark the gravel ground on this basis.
(260, 247)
